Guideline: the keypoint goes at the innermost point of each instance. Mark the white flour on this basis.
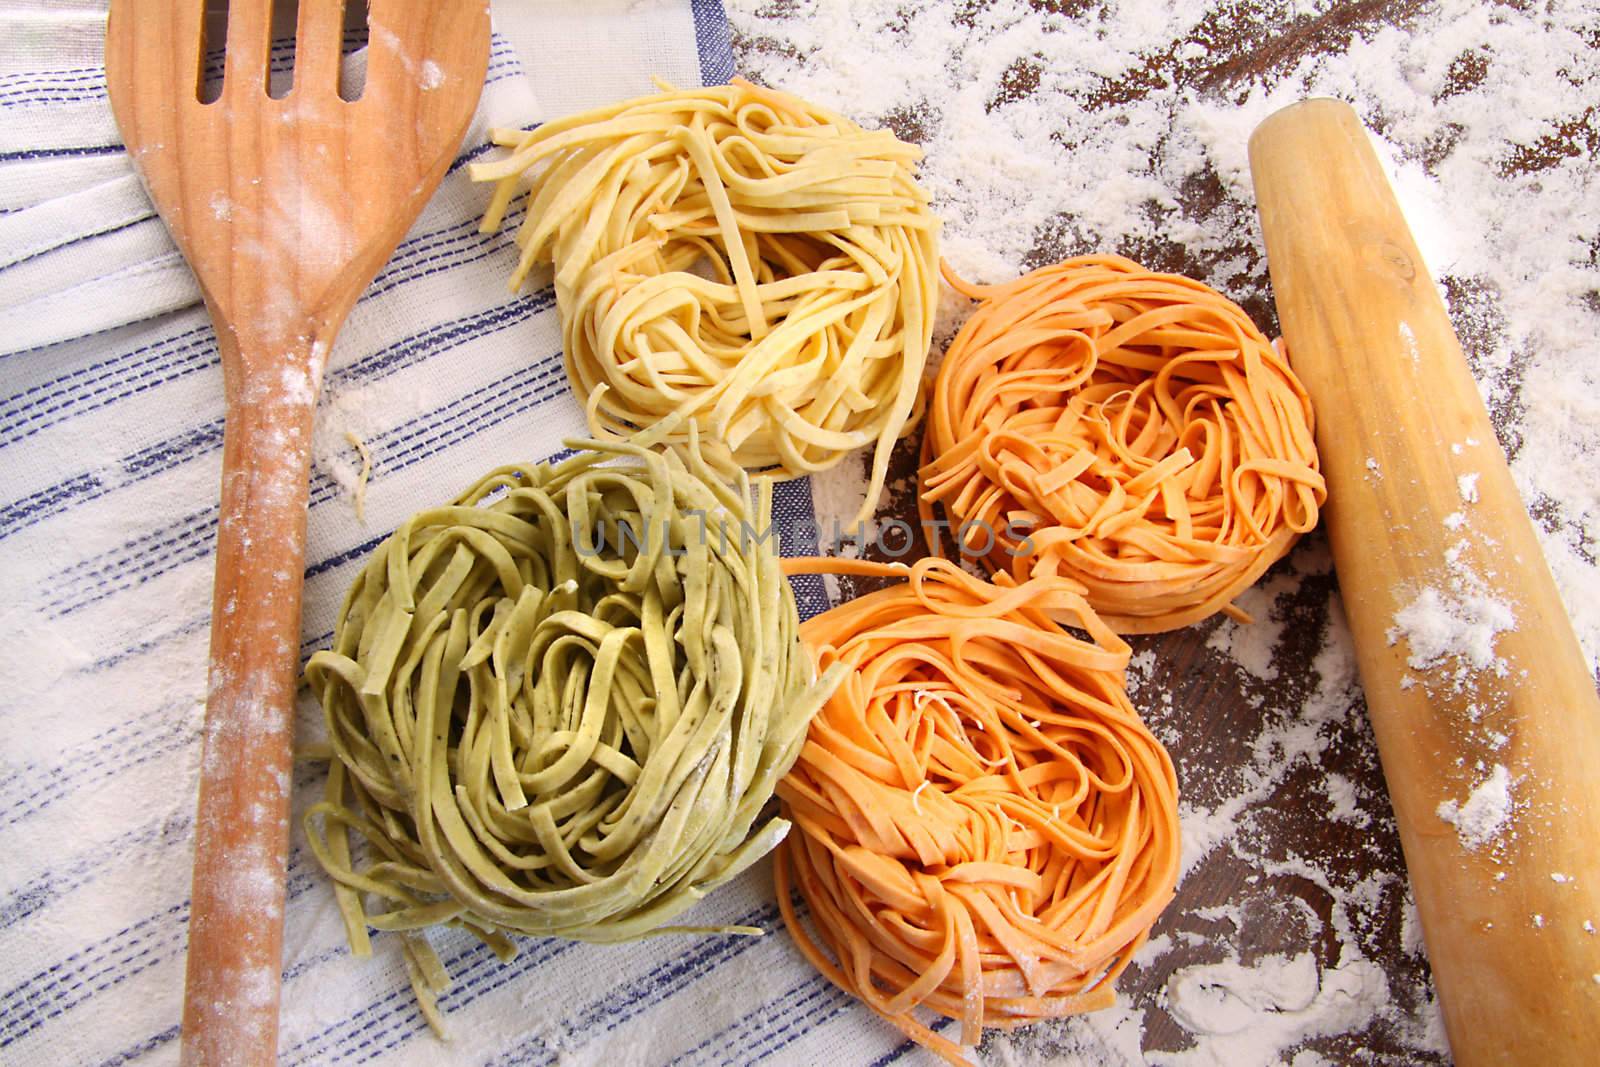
(1443, 626)
(1252, 646)
(1280, 1000)
(1486, 811)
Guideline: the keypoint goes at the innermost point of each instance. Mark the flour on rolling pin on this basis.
(1480, 819)
(1450, 632)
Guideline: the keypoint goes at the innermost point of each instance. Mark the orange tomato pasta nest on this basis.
(1138, 427)
(983, 826)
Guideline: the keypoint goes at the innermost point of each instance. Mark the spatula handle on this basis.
(1420, 502)
(230, 1011)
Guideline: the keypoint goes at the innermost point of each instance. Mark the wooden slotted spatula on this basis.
(285, 208)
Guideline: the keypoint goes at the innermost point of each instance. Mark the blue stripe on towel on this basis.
(714, 39)
(159, 551)
(186, 445)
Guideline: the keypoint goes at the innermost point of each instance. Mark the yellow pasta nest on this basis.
(1130, 430)
(735, 258)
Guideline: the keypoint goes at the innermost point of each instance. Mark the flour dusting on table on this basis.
(1055, 129)
(1052, 129)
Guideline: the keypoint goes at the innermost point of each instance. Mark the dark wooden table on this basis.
(1281, 783)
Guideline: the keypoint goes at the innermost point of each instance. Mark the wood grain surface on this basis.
(1298, 872)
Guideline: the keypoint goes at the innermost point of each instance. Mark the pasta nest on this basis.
(1130, 430)
(735, 259)
(983, 825)
(560, 705)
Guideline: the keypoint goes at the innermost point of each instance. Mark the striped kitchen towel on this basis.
(110, 453)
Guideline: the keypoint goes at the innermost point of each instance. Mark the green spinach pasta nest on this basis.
(560, 705)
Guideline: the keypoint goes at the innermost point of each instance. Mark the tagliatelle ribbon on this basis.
(1150, 441)
(736, 259)
(983, 826)
(560, 705)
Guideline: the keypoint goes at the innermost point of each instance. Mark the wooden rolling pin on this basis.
(1427, 525)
